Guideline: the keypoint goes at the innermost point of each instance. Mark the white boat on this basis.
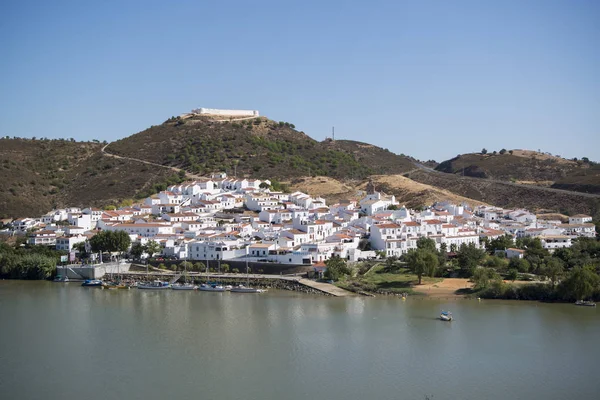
(211, 288)
(61, 278)
(244, 289)
(446, 316)
(585, 303)
(183, 286)
(228, 287)
(157, 285)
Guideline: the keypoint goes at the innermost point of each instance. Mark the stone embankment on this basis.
(292, 283)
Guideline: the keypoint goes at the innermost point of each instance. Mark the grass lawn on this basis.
(381, 280)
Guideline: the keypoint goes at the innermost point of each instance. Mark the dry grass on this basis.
(414, 194)
(541, 156)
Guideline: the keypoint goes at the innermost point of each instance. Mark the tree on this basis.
(153, 247)
(426, 244)
(553, 270)
(110, 241)
(520, 264)
(336, 268)
(199, 266)
(500, 243)
(80, 248)
(581, 282)
(502, 151)
(392, 207)
(225, 268)
(510, 152)
(484, 151)
(264, 185)
(422, 262)
(137, 249)
(512, 274)
(482, 277)
(469, 256)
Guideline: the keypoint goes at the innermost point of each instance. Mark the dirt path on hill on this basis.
(175, 169)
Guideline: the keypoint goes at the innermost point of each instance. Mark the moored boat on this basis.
(156, 285)
(183, 286)
(61, 278)
(211, 288)
(585, 303)
(446, 316)
(244, 289)
(92, 283)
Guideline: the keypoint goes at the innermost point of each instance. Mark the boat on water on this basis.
(585, 303)
(183, 286)
(115, 286)
(92, 283)
(61, 278)
(211, 288)
(156, 285)
(446, 316)
(245, 289)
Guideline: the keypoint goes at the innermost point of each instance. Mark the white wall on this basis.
(231, 113)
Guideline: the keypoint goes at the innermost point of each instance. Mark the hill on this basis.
(408, 192)
(511, 195)
(258, 148)
(527, 167)
(39, 175)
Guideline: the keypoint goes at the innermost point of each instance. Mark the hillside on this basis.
(527, 167)
(408, 192)
(39, 175)
(511, 195)
(258, 148)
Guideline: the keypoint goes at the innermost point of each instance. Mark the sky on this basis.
(430, 79)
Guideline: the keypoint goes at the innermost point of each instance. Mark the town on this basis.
(222, 218)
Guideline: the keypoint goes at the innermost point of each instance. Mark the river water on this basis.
(63, 341)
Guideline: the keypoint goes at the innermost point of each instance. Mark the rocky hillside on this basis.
(527, 167)
(258, 148)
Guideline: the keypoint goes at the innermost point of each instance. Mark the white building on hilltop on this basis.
(226, 113)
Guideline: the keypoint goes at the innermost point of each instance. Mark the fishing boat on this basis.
(446, 316)
(92, 283)
(115, 286)
(211, 288)
(245, 289)
(585, 303)
(183, 286)
(156, 285)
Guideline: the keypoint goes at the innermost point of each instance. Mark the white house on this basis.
(580, 219)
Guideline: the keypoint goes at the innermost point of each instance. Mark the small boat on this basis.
(228, 287)
(115, 285)
(92, 283)
(156, 285)
(585, 303)
(183, 286)
(61, 278)
(446, 316)
(244, 289)
(211, 288)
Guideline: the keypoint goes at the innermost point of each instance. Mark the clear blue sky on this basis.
(426, 78)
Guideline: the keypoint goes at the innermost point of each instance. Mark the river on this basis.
(63, 341)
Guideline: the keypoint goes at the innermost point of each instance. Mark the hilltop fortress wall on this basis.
(227, 113)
